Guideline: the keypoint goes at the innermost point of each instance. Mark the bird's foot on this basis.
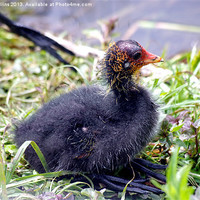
(137, 185)
(118, 184)
(141, 166)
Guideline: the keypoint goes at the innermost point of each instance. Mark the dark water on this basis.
(66, 16)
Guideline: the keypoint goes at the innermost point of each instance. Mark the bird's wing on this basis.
(83, 142)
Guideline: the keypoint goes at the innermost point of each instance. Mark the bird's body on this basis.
(88, 130)
(91, 129)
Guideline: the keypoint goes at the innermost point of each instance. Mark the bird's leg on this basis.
(149, 164)
(118, 184)
(138, 184)
(138, 164)
(134, 186)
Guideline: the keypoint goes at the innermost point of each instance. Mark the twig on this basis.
(78, 50)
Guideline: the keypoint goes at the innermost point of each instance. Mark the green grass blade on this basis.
(184, 191)
(176, 91)
(16, 160)
(25, 182)
(176, 187)
(65, 188)
(3, 193)
(40, 155)
(187, 103)
(80, 72)
(172, 168)
(19, 155)
(47, 175)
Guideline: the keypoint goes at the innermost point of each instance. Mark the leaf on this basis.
(180, 143)
(50, 195)
(196, 124)
(187, 124)
(10, 148)
(176, 128)
(176, 187)
(155, 83)
(171, 119)
(93, 194)
(184, 191)
(182, 114)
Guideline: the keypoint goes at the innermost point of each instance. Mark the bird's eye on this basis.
(136, 55)
(126, 65)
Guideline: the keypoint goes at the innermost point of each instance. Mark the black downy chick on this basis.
(90, 129)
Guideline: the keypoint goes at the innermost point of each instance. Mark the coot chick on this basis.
(92, 129)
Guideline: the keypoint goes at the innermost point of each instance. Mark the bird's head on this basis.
(122, 60)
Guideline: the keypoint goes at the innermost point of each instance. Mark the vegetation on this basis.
(30, 78)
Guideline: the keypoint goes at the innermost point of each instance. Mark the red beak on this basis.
(150, 58)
